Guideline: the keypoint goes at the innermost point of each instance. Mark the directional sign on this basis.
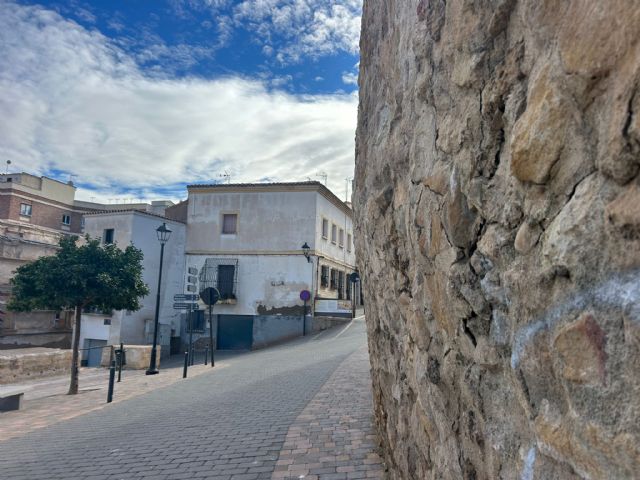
(182, 297)
(192, 288)
(192, 279)
(185, 306)
(193, 271)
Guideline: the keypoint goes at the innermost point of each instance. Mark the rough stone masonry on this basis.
(498, 227)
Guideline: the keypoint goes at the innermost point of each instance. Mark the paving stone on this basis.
(243, 411)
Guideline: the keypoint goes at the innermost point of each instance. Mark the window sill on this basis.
(228, 301)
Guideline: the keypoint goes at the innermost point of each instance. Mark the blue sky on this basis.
(138, 98)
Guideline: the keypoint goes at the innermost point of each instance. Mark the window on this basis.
(349, 242)
(229, 223)
(334, 233)
(334, 279)
(324, 276)
(25, 209)
(226, 281)
(66, 219)
(340, 285)
(107, 236)
(325, 228)
(341, 238)
(348, 289)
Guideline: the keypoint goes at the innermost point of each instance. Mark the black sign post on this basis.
(210, 296)
(305, 296)
(354, 277)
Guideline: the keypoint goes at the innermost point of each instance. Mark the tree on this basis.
(77, 277)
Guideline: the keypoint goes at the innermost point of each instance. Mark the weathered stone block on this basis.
(498, 231)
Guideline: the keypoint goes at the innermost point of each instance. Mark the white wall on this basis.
(267, 284)
(93, 327)
(140, 229)
(324, 247)
(268, 221)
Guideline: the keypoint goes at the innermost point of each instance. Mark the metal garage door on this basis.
(94, 355)
(235, 332)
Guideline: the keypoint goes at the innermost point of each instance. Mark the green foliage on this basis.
(89, 275)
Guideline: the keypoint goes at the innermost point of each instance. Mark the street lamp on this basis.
(305, 250)
(163, 237)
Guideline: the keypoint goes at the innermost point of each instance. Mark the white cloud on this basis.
(350, 78)
(306, 28)
(71, 100)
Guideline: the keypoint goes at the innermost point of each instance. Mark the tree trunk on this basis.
(73, 387)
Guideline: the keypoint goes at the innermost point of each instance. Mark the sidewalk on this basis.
(46, 401)
(333, 437)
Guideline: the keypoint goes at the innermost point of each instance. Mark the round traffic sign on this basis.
(305, 295)
(210, 295)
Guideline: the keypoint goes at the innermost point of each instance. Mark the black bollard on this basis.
(213, 360)
(112, 377)
(120, 360)
(186, 364)
(206, 355)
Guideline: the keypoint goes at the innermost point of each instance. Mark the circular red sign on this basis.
(305, 295)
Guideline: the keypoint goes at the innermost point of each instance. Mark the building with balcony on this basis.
(246, 240)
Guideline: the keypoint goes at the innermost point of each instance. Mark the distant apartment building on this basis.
(138, 228)
(247, 239)
(34, 213)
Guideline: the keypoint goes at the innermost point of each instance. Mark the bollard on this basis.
(120, 360)
(186, 364)
(213, 360)
(206, 355)
(112, 377)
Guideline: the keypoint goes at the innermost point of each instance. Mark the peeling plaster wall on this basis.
(267, 284)
(497, 206)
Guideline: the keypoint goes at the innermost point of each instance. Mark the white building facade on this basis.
(110, 328)
(246, 240)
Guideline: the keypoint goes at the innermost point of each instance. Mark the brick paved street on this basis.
(46, 402)
(333, 437)
(227, 424)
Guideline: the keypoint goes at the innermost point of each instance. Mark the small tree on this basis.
(77, 277)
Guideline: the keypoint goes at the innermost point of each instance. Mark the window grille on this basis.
(221, 273)
(198, 321)
(324, 277)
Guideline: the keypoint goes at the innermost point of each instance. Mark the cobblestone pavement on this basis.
(46, 401)
(333, 437)
(226, 424)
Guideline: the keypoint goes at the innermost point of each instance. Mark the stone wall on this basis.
(29, 363)
(138, 357)
(498, 230)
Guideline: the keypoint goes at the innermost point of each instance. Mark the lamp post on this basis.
(305, 250)
(163, 237)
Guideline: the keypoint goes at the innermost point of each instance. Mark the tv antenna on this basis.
(227, 176)
(324, 176)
